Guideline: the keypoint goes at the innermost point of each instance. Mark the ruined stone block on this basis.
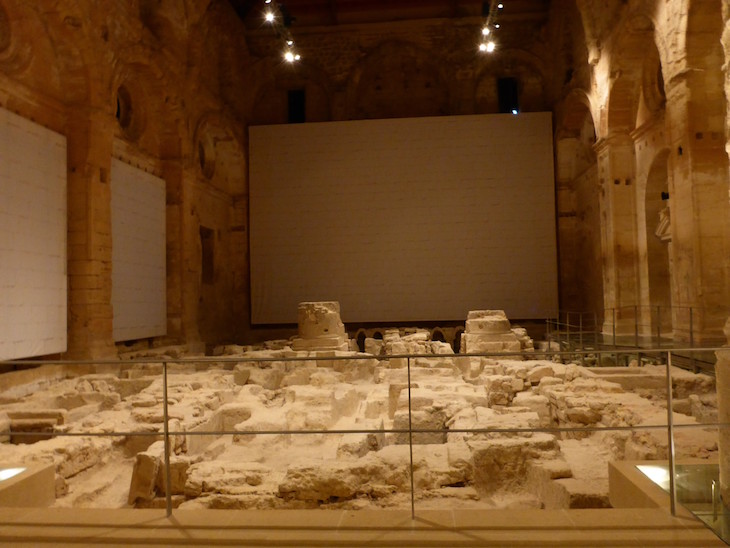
(144, 473)
(421, 420)
(4, 427)
(241, 374)
(269, 379)
(232, 414)
(178, 476)
(501, 463)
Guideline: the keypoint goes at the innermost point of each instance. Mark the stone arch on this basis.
(627, 71)
(271, 100)
(518, 64)
(45, 54)
(360, 339)
(16, 53)
(398, 79)
(218, 150)
(457, 339)
(575, 119)
(167, 20)
(705, 60)
(653, 97)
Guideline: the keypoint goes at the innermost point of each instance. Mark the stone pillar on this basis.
(190, 252)
(489, 331)
(240, 266)
(173, 173)
(700, 211)
(722, 383)
(722, 366)
(320, 327)
(616, 167)
(89, 140)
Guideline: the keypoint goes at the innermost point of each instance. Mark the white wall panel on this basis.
(405, 219)
(33, 287)
(138, 253)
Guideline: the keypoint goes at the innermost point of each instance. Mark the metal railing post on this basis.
(580, 338)
(692, 339)
(670, 435)
(595, 339)
(410, 439)
(166, 427)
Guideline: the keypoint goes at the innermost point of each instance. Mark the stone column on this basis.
(240, 267)
(722, 367)
(320, 327)
(89, 134)
(616, 167)
(189, 247)
(700, 211)
(722, 382)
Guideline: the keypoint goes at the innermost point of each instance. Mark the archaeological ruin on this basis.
(343, 272)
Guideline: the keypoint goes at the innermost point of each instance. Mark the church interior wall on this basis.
(638, 89)
(186, 88)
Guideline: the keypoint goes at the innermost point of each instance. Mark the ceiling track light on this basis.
(278, 17)
(487, 44)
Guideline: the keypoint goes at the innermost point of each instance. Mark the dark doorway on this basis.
(508, 95)
(297, 101)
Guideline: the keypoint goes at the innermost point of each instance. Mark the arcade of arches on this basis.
(639, 91)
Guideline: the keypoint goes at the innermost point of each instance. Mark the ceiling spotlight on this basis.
(290, 43)
(490, 46)
(500, 6)
(496, 26)
(269, 16)
(482, 47)
(485, 31)
(289, 56)
(267, 1)
(515, 111)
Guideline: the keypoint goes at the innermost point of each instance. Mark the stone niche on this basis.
(320, 327)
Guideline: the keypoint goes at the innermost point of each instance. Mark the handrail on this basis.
(537, 354)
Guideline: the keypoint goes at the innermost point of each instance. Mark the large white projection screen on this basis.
(32, 239)
(404, 220)
(138, 253)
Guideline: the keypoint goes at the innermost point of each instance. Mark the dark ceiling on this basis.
(306, 13)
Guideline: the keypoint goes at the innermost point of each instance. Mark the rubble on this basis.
(478, 427)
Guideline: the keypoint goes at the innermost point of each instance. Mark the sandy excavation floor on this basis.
(452, 468)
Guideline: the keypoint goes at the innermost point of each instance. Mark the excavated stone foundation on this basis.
(235, 422)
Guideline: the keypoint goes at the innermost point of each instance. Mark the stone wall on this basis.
(637, 90)
(143, 82)
(654, 96)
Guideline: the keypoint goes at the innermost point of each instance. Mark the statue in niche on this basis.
(663, 228)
